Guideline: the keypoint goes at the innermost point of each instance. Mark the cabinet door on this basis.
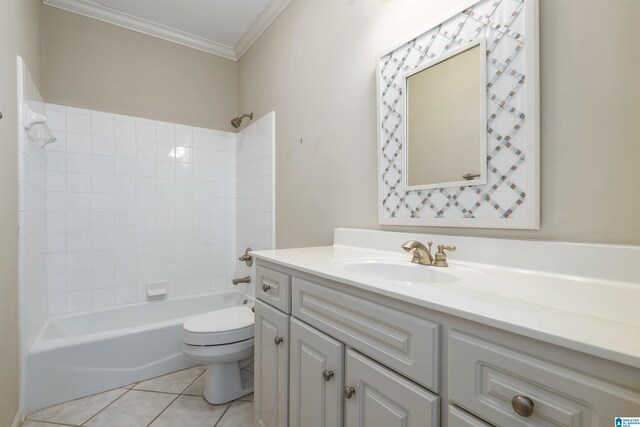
(271, 366)
(378, 397)
(316, 378)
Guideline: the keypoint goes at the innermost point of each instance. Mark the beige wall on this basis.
(19, 34)
(90, 64)
(315, 67)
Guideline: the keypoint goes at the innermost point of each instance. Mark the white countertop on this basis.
(596, 316)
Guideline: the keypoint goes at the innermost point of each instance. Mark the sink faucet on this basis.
(422, 254)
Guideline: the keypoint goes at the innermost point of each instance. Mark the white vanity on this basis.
(512, 333)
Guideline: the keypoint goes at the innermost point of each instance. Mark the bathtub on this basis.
(82, 354)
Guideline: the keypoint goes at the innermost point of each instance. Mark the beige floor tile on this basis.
(176, 382)
(77, 411)
(31, 423)
(190, 411)
(248, 397)
(240, 414)
(197, 387)
(134, 409)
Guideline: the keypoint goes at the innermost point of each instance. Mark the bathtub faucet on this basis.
(239, 280)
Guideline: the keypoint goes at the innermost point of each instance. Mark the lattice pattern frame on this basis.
(510, 199)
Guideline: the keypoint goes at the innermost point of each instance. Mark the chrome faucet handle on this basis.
(440, 259)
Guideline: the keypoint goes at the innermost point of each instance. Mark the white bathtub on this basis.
(82, 354)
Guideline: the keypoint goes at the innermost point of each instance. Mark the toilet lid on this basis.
(218, 327)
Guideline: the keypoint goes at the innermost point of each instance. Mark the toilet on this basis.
(223, 341)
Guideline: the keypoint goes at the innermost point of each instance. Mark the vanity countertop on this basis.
(596, 316)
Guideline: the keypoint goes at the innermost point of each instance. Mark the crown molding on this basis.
(105, 14)
(259, 26)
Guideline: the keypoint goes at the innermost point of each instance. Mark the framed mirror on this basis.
(446, 120)
(436, 135)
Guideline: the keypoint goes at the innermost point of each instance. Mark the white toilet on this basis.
(223, 341)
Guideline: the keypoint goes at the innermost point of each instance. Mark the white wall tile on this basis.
(79, 301)
(131, 201)
(56, 161)
(78, 123)
(125, 148)
(78, 143)
(78, 281)
(102, 125)
(145, 130)
(78, 163)
(101, 145)
(57, 303)
(124, 128)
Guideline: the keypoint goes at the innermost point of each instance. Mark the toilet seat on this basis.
(220, 327)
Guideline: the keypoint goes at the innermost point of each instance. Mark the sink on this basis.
(397, 271)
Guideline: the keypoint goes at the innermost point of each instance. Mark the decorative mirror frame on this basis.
(510, 198)
(482, 80)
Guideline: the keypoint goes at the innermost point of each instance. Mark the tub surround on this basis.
(124, 202)
(255, 192)
(32, 205)
(132, 201)
(343, 330)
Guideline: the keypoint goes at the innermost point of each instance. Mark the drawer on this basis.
(459, 418)
(274, 288)
(484, 378)
(405, 343)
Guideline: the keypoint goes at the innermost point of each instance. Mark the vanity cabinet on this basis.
(353, 358)
(317, 378)
(324, 375)
(376, 396)
(271, 382)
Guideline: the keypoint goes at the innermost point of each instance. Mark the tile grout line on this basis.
(162, 412)
(223, 414)
(192, 383)
(100, 411)
(174, 400)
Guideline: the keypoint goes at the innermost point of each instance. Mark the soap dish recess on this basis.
(157, 289)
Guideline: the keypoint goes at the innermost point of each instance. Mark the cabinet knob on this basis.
(327, 375)
(522, 405)
(349, 392)
(265, 287)
(278, 340)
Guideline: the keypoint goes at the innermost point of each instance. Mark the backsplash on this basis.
(132, 201)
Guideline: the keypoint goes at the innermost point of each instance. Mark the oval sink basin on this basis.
(399, 271)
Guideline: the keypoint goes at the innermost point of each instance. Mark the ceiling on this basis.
(222, 27)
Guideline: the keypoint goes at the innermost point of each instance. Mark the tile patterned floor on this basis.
(168, 401)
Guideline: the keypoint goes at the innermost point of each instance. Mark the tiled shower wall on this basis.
(132, 201)
(32, 286)
(255, 190)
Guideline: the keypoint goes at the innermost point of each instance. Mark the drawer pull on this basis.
(265, 287)
(522, 405)
(278, 340)
(327, 375)
(349, 392)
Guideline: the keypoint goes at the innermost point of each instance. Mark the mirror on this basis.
(446, 123)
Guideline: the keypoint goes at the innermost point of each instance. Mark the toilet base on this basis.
(224, 382)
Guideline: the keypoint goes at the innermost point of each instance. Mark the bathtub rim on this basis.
(41, 344)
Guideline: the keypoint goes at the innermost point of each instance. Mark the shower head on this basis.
(236, 122)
